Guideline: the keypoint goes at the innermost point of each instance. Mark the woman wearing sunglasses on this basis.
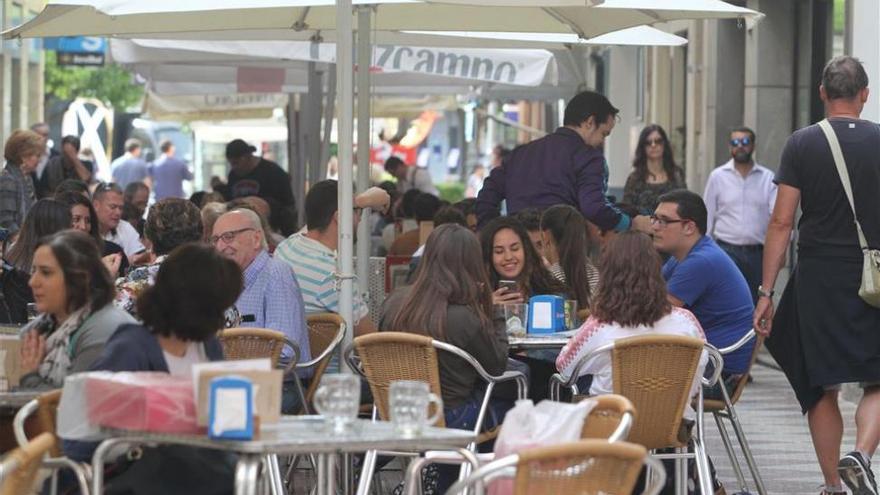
(654, 171)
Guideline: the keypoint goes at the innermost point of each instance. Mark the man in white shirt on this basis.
(739, 197)
(107, 200)
(410, 177)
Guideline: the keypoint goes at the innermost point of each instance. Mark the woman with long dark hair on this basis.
(565, 243)
(73, 292)
(629, 301)
(84, 219)
(45, 217)
(654, 171)
(451, 301)
(509, 255)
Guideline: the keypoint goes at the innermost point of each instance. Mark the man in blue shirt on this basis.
(701, 277)
(566, 167)
(130, 167)
(271, 297)
(168, 173)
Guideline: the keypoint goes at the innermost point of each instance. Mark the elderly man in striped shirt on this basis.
(312, 254)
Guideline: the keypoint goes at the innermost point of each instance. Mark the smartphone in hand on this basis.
(510, 285)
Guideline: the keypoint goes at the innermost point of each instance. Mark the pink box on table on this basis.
(144, 401)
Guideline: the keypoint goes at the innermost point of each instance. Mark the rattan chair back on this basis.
(252, 343)
(585, 467)
(386, 357)
(655, 372)
(323, 328)
(26, 461)
(606, 415)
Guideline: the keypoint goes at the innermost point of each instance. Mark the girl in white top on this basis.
(630, 301)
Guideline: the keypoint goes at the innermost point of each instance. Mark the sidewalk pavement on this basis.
(778, 435)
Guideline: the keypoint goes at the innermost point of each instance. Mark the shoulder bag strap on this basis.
(837, 153)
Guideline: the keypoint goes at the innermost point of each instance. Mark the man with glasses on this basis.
(702, 278)
(739, 199)
(271, 297)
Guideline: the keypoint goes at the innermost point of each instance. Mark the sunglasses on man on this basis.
(737, 142)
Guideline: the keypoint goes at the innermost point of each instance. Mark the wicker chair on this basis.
(255, 343)
(656, 372)
(45, 407)
(385, 357)
(586, 467)
(326, 331)
(723, 409)
(609, 420)
(18, 470)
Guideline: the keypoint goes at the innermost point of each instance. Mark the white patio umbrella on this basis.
(300, 19)
(239, 19)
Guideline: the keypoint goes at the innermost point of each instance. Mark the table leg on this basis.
(98, 462)
(246, 474)
(321, 475)
(347, 477)
(331, 473)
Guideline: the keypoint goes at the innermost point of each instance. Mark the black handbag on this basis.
(174, 470)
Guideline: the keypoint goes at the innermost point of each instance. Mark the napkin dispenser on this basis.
(546, 314)
(231, 414)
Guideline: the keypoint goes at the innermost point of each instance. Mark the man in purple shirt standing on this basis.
(566, 167)
(168, 173)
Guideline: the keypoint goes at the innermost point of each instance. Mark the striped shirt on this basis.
(314, 265)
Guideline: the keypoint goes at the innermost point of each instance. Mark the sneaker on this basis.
(855, 471)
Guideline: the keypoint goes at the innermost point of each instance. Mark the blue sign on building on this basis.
(77, 44)
(78, 50)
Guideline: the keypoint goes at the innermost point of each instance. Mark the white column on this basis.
(364, 59)
(345, 73)
(865, 41)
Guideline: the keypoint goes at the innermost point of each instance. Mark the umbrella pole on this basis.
(364, 62)
(345, 72)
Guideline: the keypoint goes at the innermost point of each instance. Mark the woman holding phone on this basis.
(515, 269)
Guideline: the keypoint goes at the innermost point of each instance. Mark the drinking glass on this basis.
(338, 399)
(571, 317)
(409, 401)
(515, 318)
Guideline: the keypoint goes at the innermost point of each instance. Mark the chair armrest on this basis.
(559, 380)
(717, 365)
(739, 343)
(330, 348)
(291, 365)
(18, 421)
(522, 383)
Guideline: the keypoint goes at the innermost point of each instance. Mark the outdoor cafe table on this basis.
(17, 400)
(540, 341)
(292, 435)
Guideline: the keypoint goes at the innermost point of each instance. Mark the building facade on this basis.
(21, 70)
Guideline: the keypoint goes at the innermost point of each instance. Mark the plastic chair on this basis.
(45, 407)
(587, 467)
(385, 357)
(18, 470)
(723, 409)
(326, 331)
(656, 373)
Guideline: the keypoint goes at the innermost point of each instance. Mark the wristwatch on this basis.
(765, 293)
